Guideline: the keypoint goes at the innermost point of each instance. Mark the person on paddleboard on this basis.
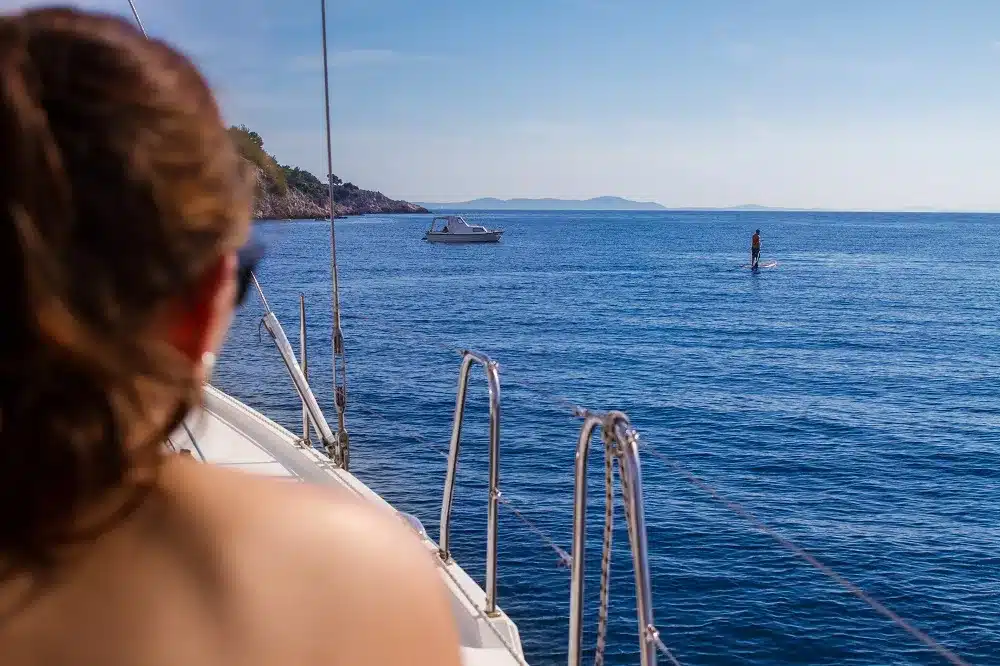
(755, 249)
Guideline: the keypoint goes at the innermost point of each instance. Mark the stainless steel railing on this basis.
(493, 384)
(304, 361)
(333, 445)
(623, 442)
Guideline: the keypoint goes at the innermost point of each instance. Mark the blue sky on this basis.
(843, 103)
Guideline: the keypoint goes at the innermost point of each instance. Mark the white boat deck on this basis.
(227, 432)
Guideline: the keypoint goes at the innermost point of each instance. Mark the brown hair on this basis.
(119, 188)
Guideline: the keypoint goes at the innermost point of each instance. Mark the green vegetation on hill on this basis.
(290, 192)
(306, 183)
(317, 190)
(251, 146)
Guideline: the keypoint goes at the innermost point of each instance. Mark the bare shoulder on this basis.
(355, 582)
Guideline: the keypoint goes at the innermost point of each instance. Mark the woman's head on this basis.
(122, 206)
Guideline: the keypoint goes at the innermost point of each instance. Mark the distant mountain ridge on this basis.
(618, 203)
(597, 203)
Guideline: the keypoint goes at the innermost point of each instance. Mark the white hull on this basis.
(485, 237)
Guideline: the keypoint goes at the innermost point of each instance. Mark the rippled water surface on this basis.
(848, 396)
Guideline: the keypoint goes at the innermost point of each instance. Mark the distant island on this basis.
(597, 203)
(286, 192)
(756, 207)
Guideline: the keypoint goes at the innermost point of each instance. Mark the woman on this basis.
(124, 206)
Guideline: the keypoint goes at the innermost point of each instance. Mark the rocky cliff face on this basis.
(364, 202)
(313, 203)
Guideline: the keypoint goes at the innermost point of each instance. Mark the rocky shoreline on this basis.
(289, 193)
(295, 204)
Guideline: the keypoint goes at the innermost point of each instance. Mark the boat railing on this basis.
(304, 362)
(621, 443)
(493, 384)
(333, 444)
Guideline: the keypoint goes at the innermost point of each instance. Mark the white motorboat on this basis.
(456, 230)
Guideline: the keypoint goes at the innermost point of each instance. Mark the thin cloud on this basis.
(363, 57)
(352, 58)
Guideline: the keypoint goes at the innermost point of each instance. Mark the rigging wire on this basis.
(662, 647)
(340, 391)
(810, 559)
(565, 560)
(138, 22)
(507, 500)
(801, 553)
(340, 400)
(564, 404)
(339, 359)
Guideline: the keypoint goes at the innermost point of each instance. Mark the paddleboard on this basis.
(768, 264)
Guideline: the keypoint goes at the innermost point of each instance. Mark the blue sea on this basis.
(849, 397)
